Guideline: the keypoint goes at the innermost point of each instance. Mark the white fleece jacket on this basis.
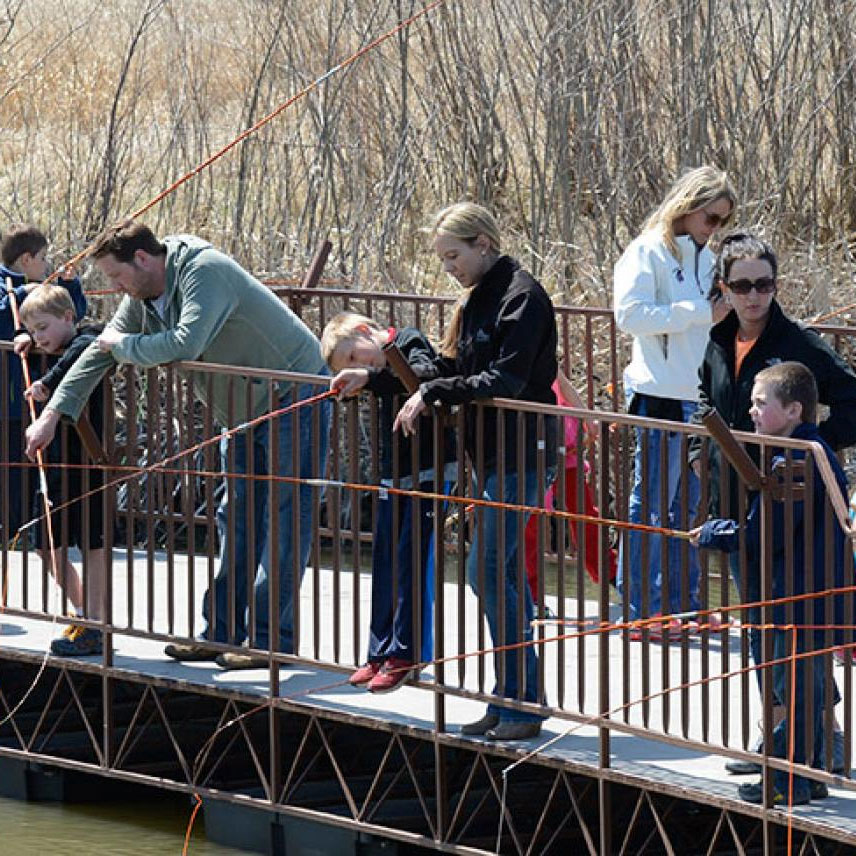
(662, 302)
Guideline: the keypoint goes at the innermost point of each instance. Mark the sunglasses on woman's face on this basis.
(763, 285)
(714, 220)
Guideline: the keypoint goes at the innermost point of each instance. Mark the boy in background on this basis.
(23, 251)
(784, 404)
(352, 345)
(50, 321)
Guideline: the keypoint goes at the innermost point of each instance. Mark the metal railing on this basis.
(162, 547)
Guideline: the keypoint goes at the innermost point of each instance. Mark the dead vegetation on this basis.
(568, 117)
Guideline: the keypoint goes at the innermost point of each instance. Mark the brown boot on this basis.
(194, 652)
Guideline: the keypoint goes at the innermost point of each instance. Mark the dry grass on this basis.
(568, 118)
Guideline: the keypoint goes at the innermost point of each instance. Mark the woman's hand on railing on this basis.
(408, 416)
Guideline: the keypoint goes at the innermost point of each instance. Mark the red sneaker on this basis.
(715, 622)
(839, 655)
(391, 676)
(364, 674)
(659, 631)
(636, 632)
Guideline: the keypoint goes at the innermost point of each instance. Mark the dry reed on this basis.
(568, 117)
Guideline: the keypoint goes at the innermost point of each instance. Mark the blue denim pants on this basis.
(238, 569)
(632, 541)
(753, 613)
(501, 574)
(391, 630)
(810, 680)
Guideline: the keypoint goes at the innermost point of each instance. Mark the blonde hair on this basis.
(344, 328)
(693, 190)
(464, 221)
(50, 299)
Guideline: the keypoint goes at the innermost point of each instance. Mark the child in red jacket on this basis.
(567, 396)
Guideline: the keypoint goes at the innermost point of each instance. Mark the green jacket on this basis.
(214, 312)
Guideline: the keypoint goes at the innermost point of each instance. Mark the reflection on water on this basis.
(151, 826)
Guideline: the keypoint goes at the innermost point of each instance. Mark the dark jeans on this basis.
(391, 631)
(500, 574)
(810, 682)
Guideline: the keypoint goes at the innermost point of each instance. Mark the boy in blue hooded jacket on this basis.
(784, 404)
(24, 266)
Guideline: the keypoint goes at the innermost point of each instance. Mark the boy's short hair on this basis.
(343, 328)
(790, 382)
(50, 299)
(123, 239)
(19, 240)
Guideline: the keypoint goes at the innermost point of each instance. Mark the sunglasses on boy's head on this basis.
(763, 285)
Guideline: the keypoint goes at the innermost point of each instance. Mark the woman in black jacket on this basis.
(756, 334)
(501, 344)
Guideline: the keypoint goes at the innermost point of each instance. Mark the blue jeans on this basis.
(649, 493)
(238, 569)
(517, 628)
(753, 613)
(391, 631)
(810, 679)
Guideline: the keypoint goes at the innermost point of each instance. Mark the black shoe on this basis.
(78, 641)
(738, 767)
(481, 726)
(514, 731)
(754, 793)
(818, 790)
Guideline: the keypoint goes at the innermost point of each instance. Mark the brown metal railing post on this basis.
(312, 276)
(108, 500)
(154, 480)
(604, 796)
(441, 779)
(737, 456)
(400, 367)
(769, 829)
(316, 266)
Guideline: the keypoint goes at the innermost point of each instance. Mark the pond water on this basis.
(150, 826)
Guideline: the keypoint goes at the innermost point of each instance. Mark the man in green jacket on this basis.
(184, 300)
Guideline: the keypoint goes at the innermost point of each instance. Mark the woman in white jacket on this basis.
(662, 288)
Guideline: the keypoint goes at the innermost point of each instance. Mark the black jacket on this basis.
(421, 357)
(72, 452)
(506, 349)
(86, 334)
(781, 340)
